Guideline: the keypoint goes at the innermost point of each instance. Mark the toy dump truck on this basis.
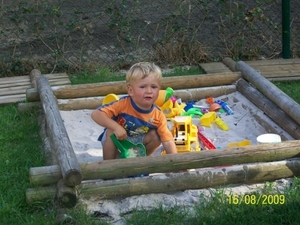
(185, 134)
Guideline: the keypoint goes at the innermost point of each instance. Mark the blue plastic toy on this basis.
(225, 106)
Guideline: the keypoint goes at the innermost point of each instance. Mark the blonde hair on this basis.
(142, 70)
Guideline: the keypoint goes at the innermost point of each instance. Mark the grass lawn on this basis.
(20, 149)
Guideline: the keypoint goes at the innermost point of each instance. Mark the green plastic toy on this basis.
(192, 112)
(169, 93)
(128, 149)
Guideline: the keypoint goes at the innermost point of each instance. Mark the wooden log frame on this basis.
(119, 168)
(230, 63)
(269, 108)
(59, 138)
(34, 74)
(65, 197)
(94, 102)
(282, 100)
(176, 181)
(273, 70)
(50, 158)
(119, 87)
(237, 174)
(184, 95)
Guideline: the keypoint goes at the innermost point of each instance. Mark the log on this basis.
(120, 168)
(34, 74)
(203, 178)
(59, 138)
(286, 103)
(28, 106)
(269, 108)
(230, 63)
(45, 175)
(66, 196)
(40, 194)
(94, 102)
(185, 95)
(80, 103)
(265, 122)
(50, 158)
(238, 174)
(119, 87)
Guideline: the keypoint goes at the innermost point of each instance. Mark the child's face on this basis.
(144, 92)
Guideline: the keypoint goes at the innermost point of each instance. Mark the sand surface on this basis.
(247, 123)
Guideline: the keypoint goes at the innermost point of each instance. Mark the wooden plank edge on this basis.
(12, 99)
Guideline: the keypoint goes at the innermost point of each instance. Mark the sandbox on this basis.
(76, 169)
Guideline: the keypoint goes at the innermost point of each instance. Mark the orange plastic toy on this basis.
(163, 96)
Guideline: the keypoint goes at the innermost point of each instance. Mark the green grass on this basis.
(291, 88)
(102, 75)
(218, 210)
(20, 149)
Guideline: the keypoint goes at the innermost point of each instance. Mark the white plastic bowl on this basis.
(268, 139)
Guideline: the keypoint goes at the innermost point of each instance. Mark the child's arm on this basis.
(103, 120)
(170, 147)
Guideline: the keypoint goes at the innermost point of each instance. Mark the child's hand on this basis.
(120, 133)
(170, 147)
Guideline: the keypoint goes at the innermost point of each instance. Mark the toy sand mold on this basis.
(275, 104)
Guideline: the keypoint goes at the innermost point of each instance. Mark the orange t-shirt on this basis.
(135, 120)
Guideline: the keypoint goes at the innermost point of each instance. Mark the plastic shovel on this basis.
(127, 148)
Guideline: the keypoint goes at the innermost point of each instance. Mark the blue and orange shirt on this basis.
(135, 120)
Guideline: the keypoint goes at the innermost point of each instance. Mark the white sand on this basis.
(248, 122)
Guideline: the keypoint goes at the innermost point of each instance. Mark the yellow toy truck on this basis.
(185, 134)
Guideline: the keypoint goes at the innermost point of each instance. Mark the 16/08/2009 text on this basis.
(256, 199)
